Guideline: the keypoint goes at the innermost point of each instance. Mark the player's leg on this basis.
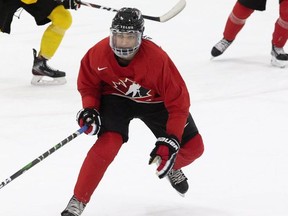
(61, 20)
(234, 24)
(93, 169)
(280, 36)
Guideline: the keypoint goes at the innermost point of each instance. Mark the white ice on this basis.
(238, 100)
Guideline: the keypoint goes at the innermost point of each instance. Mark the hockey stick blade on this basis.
(169, 15)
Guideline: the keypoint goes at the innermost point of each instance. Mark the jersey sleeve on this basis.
(88, 83)
(176, 99)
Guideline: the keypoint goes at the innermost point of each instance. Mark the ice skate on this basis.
(220, 47)
(74, 208)
(279, 57)
(178, 181)
(45, 75)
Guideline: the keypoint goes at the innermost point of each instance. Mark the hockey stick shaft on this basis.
(43, 156)
(98, 6)
(170, 14)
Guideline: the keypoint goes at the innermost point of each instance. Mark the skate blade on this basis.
(278, 63)
(47, 81)
(182, 195)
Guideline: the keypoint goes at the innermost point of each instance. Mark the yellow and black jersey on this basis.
(39, 9)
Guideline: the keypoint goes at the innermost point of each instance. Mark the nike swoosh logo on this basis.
(101, 68)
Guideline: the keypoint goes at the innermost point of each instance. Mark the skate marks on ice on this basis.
(177, 209)
(185, 210)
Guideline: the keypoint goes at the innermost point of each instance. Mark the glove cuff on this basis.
(86, 114)
(170, 141)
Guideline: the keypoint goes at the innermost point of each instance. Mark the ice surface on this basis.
(239, 102)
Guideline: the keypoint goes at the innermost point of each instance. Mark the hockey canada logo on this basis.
(131, 89)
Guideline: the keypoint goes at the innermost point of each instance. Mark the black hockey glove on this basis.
(164, 153)
(90, 117)
(70, 4)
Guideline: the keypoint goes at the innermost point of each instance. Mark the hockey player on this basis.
(123, 77)
(237, 18)
(43, 11)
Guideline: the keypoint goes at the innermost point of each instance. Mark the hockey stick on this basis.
(43, 156)
(165, 17)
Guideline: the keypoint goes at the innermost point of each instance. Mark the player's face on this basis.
(125, 44)
(125, 39)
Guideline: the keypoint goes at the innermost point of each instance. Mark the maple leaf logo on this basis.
(131, 89)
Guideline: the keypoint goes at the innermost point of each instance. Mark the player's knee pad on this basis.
(107, 146)
(194, 148)
(241, 12)
(189, 152)
(61, 17)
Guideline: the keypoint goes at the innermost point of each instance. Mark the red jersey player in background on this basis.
(237, 18)
(123, 77)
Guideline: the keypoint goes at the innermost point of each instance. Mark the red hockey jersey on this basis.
(151, 77)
